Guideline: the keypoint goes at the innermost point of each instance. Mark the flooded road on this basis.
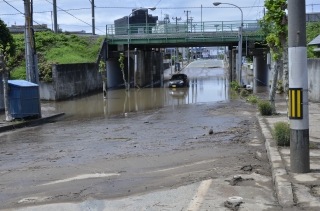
(167, 150)
(207, 84)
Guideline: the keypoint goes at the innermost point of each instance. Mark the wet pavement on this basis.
(138, 151)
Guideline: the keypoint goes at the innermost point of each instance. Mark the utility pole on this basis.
(201, 17)
(93, 22)
(55, 23)
(30, 50)
(28, 43)
(191, 18)
(177, 19)
(187, 11)
(298, 88)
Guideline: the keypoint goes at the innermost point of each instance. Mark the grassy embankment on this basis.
(55, 49)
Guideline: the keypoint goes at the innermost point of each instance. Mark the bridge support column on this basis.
(260, 72)
(114, 75)
(235, 75)
(230, 70)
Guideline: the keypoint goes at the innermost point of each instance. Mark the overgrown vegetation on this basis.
(281, 133)
(265, 108)
(253, 99)
(313, 30)
(55, 49)
(234, 85)
(244, 93)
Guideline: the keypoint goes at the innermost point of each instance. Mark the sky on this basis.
(78, 12)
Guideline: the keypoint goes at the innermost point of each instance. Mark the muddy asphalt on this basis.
(124, 159)
(137, 153)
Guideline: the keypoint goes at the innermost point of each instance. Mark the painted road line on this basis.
(198, 198)
(80, 177)
(183, 166)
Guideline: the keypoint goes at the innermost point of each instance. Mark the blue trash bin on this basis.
(23, 98)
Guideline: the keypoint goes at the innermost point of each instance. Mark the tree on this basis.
(102, 70)
(7, 39)
(4, 56)
(276, 22)
(121, 59)
(7, 51)
(313, 30)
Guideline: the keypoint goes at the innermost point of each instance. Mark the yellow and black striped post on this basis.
(298, 87)
(295, 103)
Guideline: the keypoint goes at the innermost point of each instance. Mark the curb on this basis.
(30, 123)
(280, 176)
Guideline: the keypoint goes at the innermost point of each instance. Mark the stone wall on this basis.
(314, 79)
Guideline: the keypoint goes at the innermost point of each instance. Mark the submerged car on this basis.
(179, 80)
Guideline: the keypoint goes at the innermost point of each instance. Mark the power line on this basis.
(250, 9)
(89, 8)
(13, 7)
(19, 11)
(73, 16)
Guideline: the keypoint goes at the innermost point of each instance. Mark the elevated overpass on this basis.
(147, 40)
(213, 33)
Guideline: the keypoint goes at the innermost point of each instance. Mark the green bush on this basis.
(253, 99)
(265, 108)
(281, 133)
(244, 93)
(234, 85)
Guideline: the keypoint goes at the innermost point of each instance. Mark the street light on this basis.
(141, 8)
(240, 40)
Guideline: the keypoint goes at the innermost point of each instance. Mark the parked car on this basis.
(179, 80)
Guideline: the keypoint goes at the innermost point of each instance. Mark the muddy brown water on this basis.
(207, 84)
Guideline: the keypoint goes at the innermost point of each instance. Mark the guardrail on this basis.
(187, 31)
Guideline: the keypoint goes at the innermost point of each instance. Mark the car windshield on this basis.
(177, 77)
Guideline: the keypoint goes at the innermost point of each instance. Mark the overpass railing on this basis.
(221, 29)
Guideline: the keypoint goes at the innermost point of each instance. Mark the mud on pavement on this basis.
(138, 153)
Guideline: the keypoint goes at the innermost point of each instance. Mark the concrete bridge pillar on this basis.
(114, 75)
(260, 72)
(147, 70)
(230, 60)
(235, 75)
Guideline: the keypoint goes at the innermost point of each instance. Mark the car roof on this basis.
(179, 74)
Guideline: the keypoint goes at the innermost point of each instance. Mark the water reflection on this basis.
(210, 87)
(207, 84)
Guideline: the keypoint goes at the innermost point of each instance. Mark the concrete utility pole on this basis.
(191, 19)
(55, 23)
(298, 88)
(177, 19)
(30, 50)
(187, 11)
(93, 21)
(201, 17)
(28, 44)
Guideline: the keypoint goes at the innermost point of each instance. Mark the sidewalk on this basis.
(47, 115)
(294, 190)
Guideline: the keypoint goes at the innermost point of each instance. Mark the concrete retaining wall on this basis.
(314, 79)
(71, 80)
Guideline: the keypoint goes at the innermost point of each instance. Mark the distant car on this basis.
(179, 80)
